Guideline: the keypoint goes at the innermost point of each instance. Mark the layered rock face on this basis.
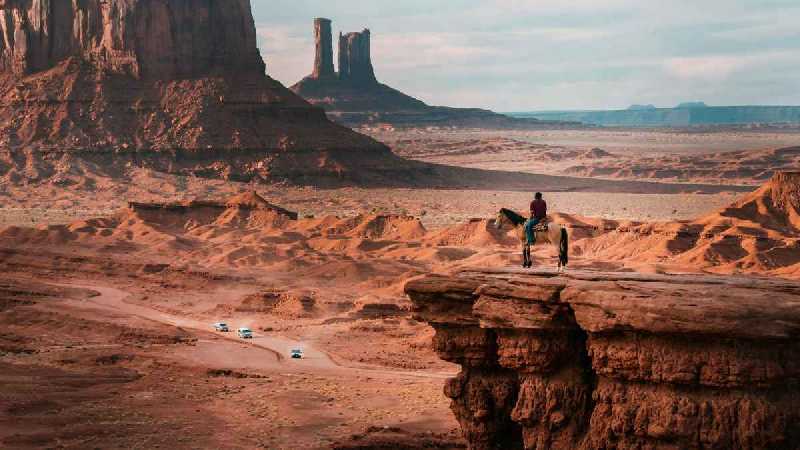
(143, 38)
(609, 360)
(177, 86)
(355, 61)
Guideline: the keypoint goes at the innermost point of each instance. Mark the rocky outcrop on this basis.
(323, 37)
(355, 61)
(354, 97)
(142, 38)
(618, 360)
(177, 86)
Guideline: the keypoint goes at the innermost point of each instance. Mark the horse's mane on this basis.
(515, 218)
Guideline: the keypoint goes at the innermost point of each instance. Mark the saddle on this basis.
(542, 227)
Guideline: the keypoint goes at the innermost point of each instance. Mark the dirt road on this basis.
(226, 350)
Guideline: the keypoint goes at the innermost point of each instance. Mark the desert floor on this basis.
(105, 311)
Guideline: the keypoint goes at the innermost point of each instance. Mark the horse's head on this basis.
(501, 220)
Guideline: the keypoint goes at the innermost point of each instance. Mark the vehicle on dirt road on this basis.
(297, 354)
(219, 326)
(245, 333)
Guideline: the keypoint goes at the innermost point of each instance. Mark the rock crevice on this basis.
(603, 360)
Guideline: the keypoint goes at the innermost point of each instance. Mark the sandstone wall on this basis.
(173, 85)
(144, 38)
(592, 360)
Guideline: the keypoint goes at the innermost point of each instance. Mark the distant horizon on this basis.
(510, 55)
(629, 106)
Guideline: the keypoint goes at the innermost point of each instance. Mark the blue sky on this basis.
(519, 55)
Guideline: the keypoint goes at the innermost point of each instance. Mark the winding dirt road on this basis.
(226, 350)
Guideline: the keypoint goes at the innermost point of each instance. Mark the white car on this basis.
(297, 354)
(219, 326)
(245, 333)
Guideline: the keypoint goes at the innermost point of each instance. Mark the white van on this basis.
(245, 333)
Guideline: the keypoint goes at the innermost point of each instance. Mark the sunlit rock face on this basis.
(142, 38)
(178, 86)
(594, 360)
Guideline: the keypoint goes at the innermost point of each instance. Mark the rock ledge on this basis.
(617, 360)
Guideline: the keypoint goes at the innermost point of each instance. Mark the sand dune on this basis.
(758, 234)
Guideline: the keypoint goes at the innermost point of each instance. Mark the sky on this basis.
(531, 55)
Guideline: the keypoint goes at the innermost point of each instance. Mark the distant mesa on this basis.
(687, 114)
(353, 96)
(691, 105)
(641, 107)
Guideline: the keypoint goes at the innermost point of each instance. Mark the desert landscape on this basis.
(155, 183)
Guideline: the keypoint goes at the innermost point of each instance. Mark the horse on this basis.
(556, 234)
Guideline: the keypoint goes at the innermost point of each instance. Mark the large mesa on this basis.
(176, 86)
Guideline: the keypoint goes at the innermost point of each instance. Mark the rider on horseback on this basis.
(538, 215)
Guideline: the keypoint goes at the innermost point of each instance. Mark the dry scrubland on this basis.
(118, 300)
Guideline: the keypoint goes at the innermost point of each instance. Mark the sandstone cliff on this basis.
(618, 360)
(177, 86)
(142, 38)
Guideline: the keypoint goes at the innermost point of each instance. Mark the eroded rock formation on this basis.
(323, 37)
(607, 360)
(354, 96)
(150, 38)
(177, 86)
(355, 61)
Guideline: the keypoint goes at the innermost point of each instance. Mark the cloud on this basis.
(542, 54)
(287, 51)
(720, 67)
(709, 68)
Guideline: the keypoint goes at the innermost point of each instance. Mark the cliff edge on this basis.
(589, 360)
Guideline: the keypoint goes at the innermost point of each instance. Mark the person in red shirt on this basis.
(538, 214)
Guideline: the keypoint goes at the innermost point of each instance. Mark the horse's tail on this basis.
(563, 248)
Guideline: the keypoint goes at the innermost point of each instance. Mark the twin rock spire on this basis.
(355, 61)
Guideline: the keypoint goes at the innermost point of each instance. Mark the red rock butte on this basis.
(353, 96)
(176, 86)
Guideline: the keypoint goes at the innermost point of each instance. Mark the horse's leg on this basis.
(524, 257)
(555, 238)
(529, 261)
